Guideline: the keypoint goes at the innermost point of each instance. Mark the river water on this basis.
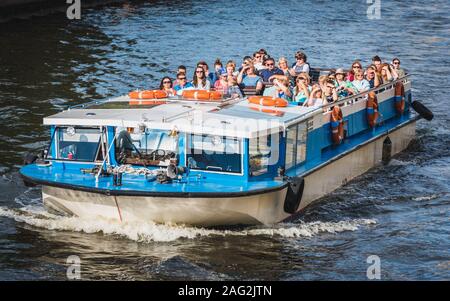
(399, 212)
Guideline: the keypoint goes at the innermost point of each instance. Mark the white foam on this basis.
(149, 231)
(425, 198)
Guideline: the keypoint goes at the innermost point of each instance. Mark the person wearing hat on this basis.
(221, 84)
(343, 87)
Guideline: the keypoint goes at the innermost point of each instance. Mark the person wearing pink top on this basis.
(221, 84)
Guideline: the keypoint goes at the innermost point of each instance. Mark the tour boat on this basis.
(207, 159)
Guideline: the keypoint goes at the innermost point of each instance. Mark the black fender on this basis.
(294, 194)
(422, 110)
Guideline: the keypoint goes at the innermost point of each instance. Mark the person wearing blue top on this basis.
(280, 89)
(249, 79)
(182, 83)
(270, 70)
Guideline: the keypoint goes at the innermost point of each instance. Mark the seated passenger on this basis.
(167, 86)
(372, 76)
(359, 83)
(280, 89)
(200, 82)
(221, 84)
(182, 84)
(247, 60)
(302, 89)
(231, 69)
(284, 66)
(258, 60)
(322, 81)
(248, 78)
(181, 69)
(300, 65)
(396, 67)
(218, 66)
(233, 88)
(315, 97)
(376, 60)
(211, 76)
(343, 88)
(270, 70)
(386, 74)
(329, 93)
(356, 66)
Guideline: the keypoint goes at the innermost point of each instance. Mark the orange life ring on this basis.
(399, 97)
(202, 95)
(269, 111)
(267, 101)
(337, 125)
(146, 102)
(148, 94)
(372, 109)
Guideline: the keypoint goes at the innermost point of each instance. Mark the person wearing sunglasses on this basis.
(221, 84)
(271, 69)
(302, 89)
(300, 64)
(200, 82)
(183, 84)
(167, 86)
(356, 66)
(360, 84)
(258, 58)
(396, 67)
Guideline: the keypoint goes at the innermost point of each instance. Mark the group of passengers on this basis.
(277, 79)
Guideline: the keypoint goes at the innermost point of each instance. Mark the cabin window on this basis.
(296, 144)
(78, 144)
(214, 153)
(146, 146)
(263, 152)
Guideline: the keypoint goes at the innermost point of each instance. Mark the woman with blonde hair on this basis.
(284, 66)
(316, 98)
(301, 91)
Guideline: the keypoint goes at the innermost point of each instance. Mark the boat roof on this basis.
(230, 117)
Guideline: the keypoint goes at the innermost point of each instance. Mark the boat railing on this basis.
(347, 101)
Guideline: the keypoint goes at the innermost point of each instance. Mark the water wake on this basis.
(151, 232)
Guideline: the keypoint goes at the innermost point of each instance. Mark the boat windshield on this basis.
(77, 144)
(214, 153)
(146, 147)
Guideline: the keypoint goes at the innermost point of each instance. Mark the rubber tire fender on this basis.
(422, 110)
(294, 194)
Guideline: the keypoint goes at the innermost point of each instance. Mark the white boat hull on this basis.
(266, 208)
